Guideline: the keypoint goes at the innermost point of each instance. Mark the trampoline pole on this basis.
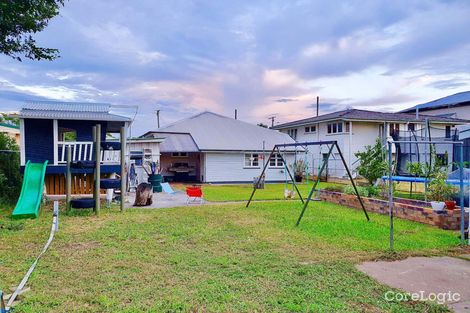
(462, 203)
(390, 193)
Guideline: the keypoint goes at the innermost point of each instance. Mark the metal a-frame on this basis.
(331, 144)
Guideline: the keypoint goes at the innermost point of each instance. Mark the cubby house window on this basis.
(310, 129)
(335, 128)
(251, 160)
(67, 134)
(276, 161)
(179, 154)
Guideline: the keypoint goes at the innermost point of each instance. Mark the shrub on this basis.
(373, 164)
(10, 176)
(440, 190)
(334, 188)
(363, 191)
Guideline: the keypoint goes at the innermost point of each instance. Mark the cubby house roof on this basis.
(70, 111)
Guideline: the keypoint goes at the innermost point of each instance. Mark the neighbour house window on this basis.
(334, 128)
(443, 158)
(276, 161)
(394, 129)
(347, 127)
(179, 154)
(448, 131)
(310, 129)
(251, 160)
(293, 133)
(411, 127)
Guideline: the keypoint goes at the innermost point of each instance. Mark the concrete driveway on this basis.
(426, 276)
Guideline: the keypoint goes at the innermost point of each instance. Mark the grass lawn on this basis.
(218, 258)
(242, 192)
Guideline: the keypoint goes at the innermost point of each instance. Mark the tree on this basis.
(10, 176)
(373, 163)
(4, 118)
(262, 125)
(19, 19)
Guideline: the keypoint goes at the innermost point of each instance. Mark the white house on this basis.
(354, 129)
(456, 105)
(209, 147)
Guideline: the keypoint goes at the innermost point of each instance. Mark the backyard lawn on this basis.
(242, 192)
(215, 258)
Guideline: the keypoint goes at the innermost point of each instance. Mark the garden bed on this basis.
(413, 210)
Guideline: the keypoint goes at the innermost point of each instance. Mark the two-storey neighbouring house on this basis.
(354, 129)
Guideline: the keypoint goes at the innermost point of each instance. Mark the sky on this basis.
(264, 58)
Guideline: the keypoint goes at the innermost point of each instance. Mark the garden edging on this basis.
(413, 210)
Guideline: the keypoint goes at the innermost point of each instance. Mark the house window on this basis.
(251, 160)
(310, 129)
(148, 154)
(347, 127)
(394, 130)
(448, 132)
(411, 127)
(276, 161)
(292, 133)
(179, 154)
(334, 128)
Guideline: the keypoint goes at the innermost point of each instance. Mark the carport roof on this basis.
(177, 142)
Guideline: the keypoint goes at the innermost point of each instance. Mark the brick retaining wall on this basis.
(413, 210)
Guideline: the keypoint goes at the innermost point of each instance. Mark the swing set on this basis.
(330, 145)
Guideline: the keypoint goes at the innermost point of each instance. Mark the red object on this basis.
(195, 192)
(450, 205)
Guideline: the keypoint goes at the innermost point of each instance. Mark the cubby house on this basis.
(47, 128)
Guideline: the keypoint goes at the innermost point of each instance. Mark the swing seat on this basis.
(289, 194)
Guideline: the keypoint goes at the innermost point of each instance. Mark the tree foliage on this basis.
(10, 176)
(373, 164)
(19, 20)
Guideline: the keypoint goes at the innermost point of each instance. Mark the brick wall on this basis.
(413, 210)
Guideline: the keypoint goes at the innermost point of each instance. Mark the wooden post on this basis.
(97, 167)
(69, 179)
(123, 167)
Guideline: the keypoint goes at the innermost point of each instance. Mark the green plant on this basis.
(439, 190)
(151, 168)
(372, 162)
(363, 191)
(298, 167)
(10, 176)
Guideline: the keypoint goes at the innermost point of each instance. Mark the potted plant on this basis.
(298, 167)
(440, 193)
(154, 177)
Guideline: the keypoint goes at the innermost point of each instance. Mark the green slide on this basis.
(31, 191)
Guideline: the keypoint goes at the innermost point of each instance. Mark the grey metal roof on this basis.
(214, 132)
(464, 132)
(461, 98)
(364, 115)
(176, 142)
(70, 111)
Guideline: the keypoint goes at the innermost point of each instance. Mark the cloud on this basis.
(262, 58)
